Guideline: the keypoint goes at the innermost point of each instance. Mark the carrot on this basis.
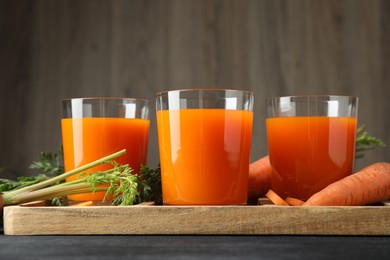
(275, 199)
(36, 203)
(368, 186)
(84, 203)
(259, 177)
(294, 202)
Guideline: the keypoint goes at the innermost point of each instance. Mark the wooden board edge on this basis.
(199, 220)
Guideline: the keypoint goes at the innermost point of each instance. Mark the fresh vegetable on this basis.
(259, 177)
(50, 164)
(125, 187)
(294, 202)
(150, 183)
(82, 204)
(260, 171)
(365, 142)
(47, 165)
(275, 199)
(369, 185)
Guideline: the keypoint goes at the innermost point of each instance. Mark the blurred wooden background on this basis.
(52, 50)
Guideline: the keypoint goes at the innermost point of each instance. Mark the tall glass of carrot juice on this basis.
(95, 127)
(311, 142)
(204, 140)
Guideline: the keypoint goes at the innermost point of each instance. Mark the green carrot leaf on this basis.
(49, 163)
(366, 142)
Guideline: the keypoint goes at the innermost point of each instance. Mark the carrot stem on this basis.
(43, 190)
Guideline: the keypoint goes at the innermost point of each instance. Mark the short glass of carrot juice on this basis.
(204, 140)
(311, 142)
(95, 127)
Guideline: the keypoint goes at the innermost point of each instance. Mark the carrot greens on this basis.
(47, 165)
(118, 182)
(365, 142)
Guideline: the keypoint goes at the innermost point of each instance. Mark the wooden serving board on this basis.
(240, 220)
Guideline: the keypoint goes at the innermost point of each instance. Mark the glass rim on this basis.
(107, 98)
(312, 105)
(204, 89)
(312, 96)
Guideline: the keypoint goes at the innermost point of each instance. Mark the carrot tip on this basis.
(272, 196)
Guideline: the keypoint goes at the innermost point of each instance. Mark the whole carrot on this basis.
(367, 186)
(259, 177)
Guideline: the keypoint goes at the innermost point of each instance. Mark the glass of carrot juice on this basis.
(95, 127)
(311, 142)
(204, 140)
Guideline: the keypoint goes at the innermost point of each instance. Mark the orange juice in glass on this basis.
(311, 142)
(95, 127)
(204, 140)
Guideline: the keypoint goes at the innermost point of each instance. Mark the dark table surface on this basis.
(194, 247)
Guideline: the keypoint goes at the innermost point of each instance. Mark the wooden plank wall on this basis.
(50, 50)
